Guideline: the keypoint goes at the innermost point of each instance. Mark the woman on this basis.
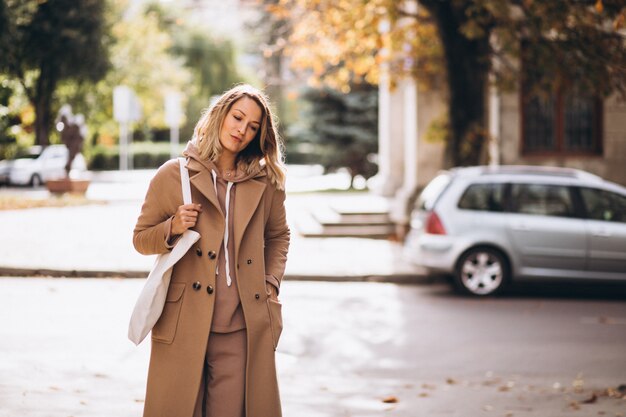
(213, 346)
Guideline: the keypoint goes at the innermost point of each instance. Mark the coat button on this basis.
(257, 296)
(196, 285)
(198, 251)
(249, 261)
(209, 289)
(211, 254)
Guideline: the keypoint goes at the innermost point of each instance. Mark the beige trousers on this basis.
(222, 389)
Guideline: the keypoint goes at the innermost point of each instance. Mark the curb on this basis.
(75, 273)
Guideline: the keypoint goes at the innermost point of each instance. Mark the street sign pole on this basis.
(173, 118)
(123, 153)
(126, 109)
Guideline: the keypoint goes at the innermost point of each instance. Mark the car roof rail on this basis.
(564, 172)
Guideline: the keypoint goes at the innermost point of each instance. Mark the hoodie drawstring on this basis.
(229, 280)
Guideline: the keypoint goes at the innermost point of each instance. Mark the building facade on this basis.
(566, 130)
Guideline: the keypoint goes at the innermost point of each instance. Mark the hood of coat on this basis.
(191, 151)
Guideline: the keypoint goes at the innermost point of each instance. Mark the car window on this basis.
(483, 197)
(542, 199)
(604, 205)
(432, 191)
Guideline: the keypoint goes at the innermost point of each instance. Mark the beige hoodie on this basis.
(228, 314)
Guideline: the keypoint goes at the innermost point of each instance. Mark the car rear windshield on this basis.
(483, 197)
(432, 191)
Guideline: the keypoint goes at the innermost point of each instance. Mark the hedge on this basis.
(145, 155)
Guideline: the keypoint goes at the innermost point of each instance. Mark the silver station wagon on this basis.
(487, 226)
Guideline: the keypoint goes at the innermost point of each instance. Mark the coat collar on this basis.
(247, 197)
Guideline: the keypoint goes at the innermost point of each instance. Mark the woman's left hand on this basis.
(271, 291)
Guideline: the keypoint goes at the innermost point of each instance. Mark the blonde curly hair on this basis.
(266, 149)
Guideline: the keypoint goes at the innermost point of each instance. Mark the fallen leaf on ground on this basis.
(390, 400)
(578, 383)
(490, 382)
(423, 394)
(591, 399)
(450, 381)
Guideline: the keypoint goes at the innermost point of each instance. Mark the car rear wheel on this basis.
(35, 180)
(481, 271)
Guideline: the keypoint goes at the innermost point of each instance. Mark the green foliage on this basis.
(210, 60)
(11, 121)
(141, 60)
(343, 128)
(7, 120)
(559, 43)
(145, 155)
(45, 42)
(148, 67)
(438, 130)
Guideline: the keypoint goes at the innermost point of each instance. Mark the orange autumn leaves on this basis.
(344, 42)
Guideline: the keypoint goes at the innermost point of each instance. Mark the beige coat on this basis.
(180, 337)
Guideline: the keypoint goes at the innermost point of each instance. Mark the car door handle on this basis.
(520, 226)
(601, 233)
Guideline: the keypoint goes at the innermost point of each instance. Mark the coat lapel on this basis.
(247, 198)
(203, 181)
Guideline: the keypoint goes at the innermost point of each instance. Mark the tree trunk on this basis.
(42, 102)
(467, 66)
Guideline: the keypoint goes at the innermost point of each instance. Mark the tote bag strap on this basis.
(184, 181)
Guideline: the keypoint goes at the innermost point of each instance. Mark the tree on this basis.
(43, 43)
(209, 59)
(344, 127)
(567, 41)
(272, 30)
(148, 67)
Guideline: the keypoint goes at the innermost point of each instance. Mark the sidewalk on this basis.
(95, 240)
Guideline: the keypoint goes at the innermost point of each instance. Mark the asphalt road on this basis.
(346, 349)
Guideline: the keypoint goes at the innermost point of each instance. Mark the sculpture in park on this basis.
(73, 131)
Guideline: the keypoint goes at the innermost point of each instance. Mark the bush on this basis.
(145, 155)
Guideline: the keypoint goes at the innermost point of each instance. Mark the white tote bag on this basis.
(150, 303)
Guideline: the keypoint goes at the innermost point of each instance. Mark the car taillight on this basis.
(434, 225)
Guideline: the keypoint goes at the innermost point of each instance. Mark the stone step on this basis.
(323, 221)
(364, 218)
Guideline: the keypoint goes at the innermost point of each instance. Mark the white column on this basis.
(411, 137)
(494, 127)
(390, 141)
(400, 211)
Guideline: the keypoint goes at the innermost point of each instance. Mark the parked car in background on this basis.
(487, 226)
(43, 164)
(7, 164)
